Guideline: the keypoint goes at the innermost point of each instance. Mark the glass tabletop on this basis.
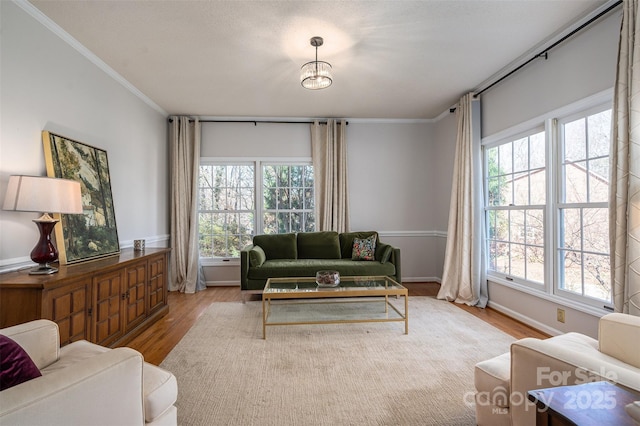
(347, 283)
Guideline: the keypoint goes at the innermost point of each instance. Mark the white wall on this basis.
(391, 182)
(581, 67)
(48, 85)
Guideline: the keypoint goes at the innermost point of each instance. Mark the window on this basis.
(583, 249)
(233, 197)
(287, 199)
(541, 232)
(515, 182)
(226, 209)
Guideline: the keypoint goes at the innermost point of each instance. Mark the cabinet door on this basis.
(157, 282)
(135, 306)
(107, 307)
(68, 306)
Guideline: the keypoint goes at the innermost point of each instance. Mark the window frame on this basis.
(560, 204)
(551, 289)
(520, 134)
(258, 218)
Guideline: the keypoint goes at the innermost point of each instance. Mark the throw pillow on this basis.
(364, 248)
(257, 256)
(15, 364)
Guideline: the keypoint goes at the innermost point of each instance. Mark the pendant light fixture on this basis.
(316, 74)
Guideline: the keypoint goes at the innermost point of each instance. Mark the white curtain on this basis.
(463, 278)
(624, 196)
(184, 139)
(329, 152)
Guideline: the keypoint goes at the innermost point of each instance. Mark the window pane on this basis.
(599, 180)
(284, 223)
(297, 198)
(535, 227)
(537, 151)
(518, 260)
(599, 127)
(494, 194)
(517, 226)
(309, 203)
(502, 225)
(502, 258)
(597, 281)
(538, 187)
(571, 271)
(270, 198)
(492, 161)
(571, 232)
(493, 255)
(309, 222)
(505, 161)
(595, 226)
(535, 264)
(575, 141)
(575, 182)
(521, 189)
(521, 155)
(270, 225)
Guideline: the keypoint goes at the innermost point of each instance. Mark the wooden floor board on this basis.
(156, 342)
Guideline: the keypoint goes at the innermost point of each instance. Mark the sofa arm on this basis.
(567, 359)
(244, 267)
(105, 389)
(618, 336)
(395, 259)
(39, 338)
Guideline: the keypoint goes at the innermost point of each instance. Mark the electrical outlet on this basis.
(560, 315)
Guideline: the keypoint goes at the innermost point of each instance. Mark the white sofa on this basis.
(86, 384)
(502, 382)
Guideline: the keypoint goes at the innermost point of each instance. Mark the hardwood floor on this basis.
(156, 342)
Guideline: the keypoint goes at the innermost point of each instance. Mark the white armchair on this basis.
(83, 383)
(502, 382)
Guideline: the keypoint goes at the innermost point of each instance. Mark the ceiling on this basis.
(391, 59)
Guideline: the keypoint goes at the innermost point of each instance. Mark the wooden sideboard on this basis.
(107, 301)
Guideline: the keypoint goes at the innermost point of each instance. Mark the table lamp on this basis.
(44, 195)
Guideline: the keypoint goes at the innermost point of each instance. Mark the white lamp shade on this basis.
(43, 194)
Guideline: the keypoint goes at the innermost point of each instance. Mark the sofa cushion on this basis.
(281, 268)
(15, 364)
(277, 246)
(346, 241)
(257, 256)
(364, 248)
(318, 245)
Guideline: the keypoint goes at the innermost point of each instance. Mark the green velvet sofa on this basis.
(305, 253)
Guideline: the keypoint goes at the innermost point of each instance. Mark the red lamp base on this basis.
(45, 251)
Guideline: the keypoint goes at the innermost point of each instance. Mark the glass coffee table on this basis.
(296, 301)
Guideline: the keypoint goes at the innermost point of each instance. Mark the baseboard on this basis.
(223, 283)
(422, 280)
(524, 319)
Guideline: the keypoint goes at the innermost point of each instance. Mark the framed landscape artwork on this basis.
(92, 234)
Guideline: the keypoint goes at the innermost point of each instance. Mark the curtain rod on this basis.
(255, 122)
(544, 53)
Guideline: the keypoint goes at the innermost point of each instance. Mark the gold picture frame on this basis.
(94, 233)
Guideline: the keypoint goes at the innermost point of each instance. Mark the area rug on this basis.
(336, 374)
